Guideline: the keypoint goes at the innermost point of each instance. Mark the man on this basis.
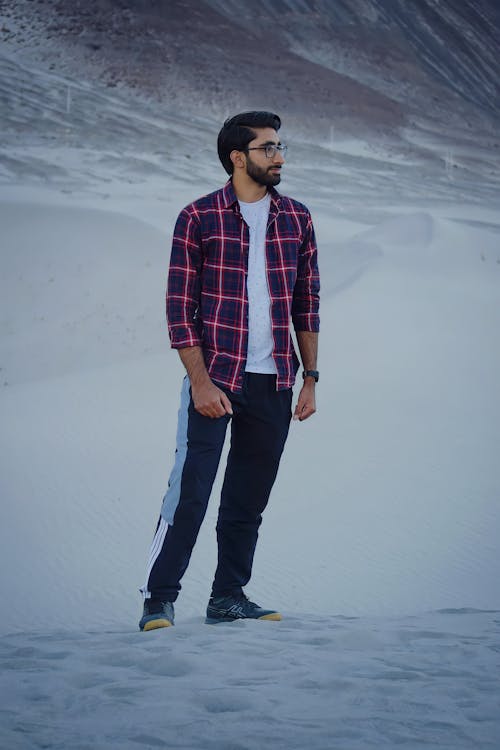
(243, 266)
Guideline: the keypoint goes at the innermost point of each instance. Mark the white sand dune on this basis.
(386, 491)
(386, 505)
(82, 288)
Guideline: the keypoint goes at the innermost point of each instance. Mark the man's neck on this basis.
(247, 190)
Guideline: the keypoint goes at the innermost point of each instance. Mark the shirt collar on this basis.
(229, 196)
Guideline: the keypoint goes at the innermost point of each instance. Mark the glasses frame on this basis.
(271, 149)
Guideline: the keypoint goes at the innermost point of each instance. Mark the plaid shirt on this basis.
(207, 302)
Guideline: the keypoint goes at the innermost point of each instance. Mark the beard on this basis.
(261, 175)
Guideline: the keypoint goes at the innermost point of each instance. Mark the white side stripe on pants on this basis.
(172, 496)
(156, 546)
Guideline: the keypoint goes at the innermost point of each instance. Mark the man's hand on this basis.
(308, 346)
(209, 400)
(306, 405)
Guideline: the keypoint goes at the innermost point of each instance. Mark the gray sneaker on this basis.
(239, 607)
(157, 614)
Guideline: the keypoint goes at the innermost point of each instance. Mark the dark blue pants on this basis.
(259, 428)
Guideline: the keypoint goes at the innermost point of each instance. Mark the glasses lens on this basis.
(271, 150)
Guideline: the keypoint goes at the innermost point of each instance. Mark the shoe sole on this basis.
(274, 616)
(155, 624)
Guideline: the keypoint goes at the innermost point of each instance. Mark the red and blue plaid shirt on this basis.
(207, 302)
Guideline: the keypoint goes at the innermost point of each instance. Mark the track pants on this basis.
(259, 428)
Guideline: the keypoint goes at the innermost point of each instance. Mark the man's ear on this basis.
(238, 159)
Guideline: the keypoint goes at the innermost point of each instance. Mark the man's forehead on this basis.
(266, 135)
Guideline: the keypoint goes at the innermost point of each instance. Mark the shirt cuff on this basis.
(183, 336)
(306, 322)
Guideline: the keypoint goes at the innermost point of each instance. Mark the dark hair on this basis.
(236, 133)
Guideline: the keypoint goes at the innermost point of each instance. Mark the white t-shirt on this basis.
(260, 335)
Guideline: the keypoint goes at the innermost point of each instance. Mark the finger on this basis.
(304, 411)
(228, 409)
(217, 410)
(205, 411)
(311, 409)
(306, 414)
(211, 410)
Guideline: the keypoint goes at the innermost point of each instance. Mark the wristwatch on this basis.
(311, 374)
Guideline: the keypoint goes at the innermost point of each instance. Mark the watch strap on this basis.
(311, 374)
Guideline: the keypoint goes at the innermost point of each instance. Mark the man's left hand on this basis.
(306, 405)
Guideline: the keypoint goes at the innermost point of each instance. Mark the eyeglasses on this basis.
(270, 149)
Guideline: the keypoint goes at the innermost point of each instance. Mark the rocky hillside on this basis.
(374, 65)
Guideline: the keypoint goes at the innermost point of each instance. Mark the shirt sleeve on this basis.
(305, 305)
(183, 288)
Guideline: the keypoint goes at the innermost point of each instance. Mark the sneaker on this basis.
(157, 614)
(239, 607)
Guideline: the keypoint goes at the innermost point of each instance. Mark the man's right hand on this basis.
(209, 400)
